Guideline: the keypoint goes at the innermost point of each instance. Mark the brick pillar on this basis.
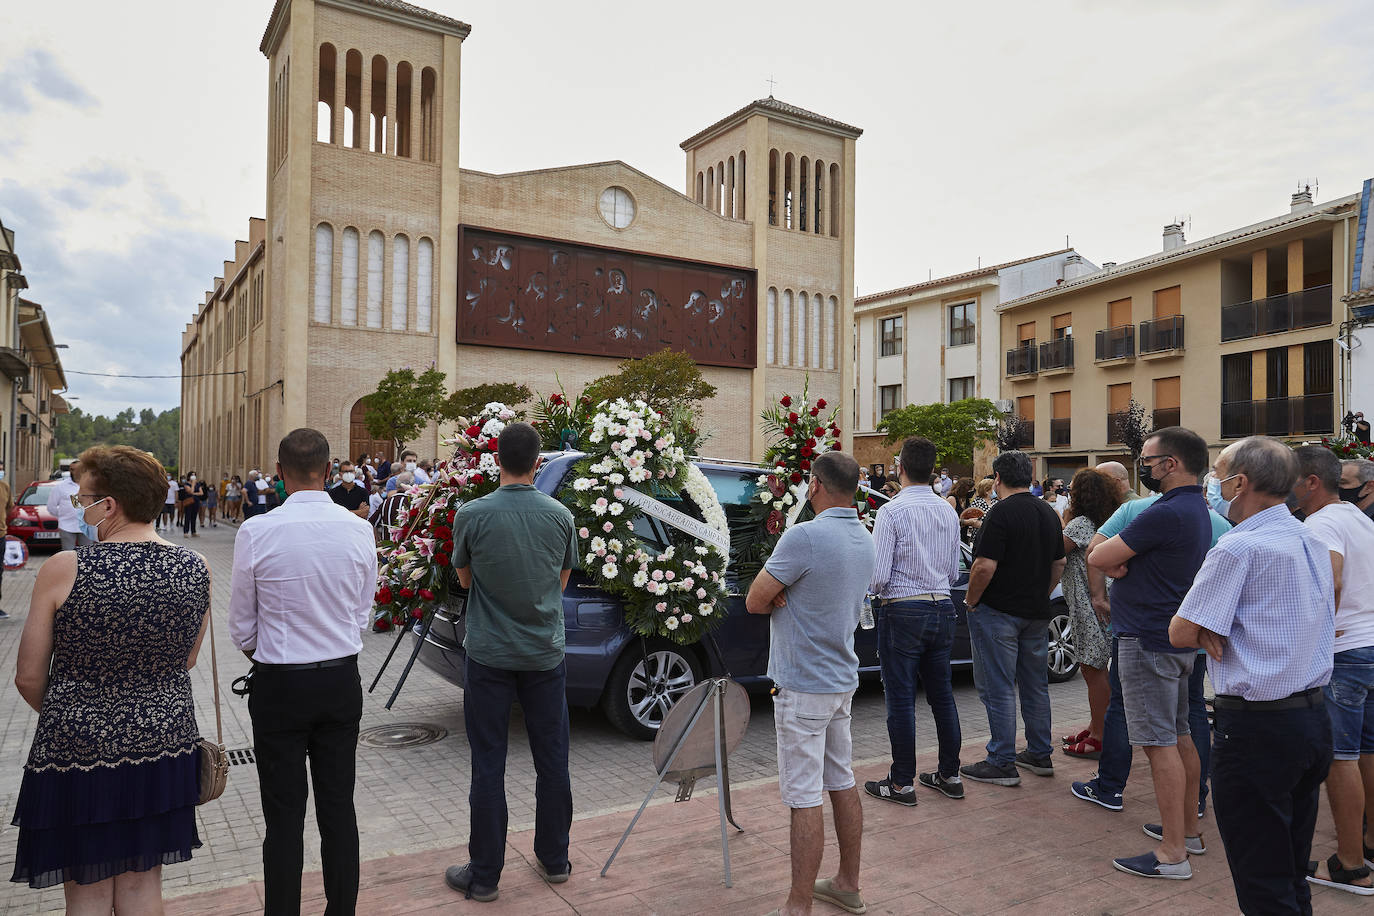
(1295, 266)
(365, 107)
(391, 77)
(1259, 275)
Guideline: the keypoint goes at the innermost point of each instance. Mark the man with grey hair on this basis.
(812, 587)
(1349, 536)
(1120, 476)
(1263, 606)
(1357, 484)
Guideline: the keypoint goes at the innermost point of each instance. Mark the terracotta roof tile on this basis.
(771, 104)
(954, 278)
(395, 6)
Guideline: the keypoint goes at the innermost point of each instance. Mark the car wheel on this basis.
(644, 686)
(1063, 652)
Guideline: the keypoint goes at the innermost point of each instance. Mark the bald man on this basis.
(1116, 471)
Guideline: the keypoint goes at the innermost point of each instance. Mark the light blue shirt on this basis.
(1267, 588)
(1127, 511)
(826, 565)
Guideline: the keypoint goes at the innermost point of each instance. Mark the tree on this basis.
(1012, 433)
(468, 402)
(1132, 429)
(152, 432)
(664, 380)
(404, 404)
(954, 428)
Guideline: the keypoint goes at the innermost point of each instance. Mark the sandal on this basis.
(1088, 749)
(1074, 739)
(1342, 878)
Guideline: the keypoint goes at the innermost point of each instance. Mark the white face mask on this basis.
(191, 479)
(348, 476)
(410, 466)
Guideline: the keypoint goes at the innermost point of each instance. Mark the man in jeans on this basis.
(1154, 561)
(1348, 535)
(513, 550)
(813, 586)
(1018, 559)
(916, 547)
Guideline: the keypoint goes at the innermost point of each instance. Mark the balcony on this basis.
(12, 363)
(1164, 416)
(1312, 414)
(1056, 357)
(1022, 360)
(1308, 308)
(1113, 418)
(1059, 432)
(1116, 343)
(1161, 337)
(1027, 437)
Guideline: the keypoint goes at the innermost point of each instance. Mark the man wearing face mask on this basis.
(1357, 484)
(1349, 536)
(411, 465)
(348, 493)
(60, 505)
(1153, 561)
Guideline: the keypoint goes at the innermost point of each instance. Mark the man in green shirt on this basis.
(513, 550)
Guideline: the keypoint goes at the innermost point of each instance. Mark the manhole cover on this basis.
(403, 734)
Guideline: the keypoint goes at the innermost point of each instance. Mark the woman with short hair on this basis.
(110, 787)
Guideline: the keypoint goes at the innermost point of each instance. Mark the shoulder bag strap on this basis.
(214, 674)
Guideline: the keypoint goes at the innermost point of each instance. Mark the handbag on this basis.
(213, 759)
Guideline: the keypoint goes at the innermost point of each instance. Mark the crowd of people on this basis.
(1256, 572)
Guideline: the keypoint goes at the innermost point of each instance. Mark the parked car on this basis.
(29, 518)
(636, 681)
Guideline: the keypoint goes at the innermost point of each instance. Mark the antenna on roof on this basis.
(771, 83)
(1066, 240)
(930, 273)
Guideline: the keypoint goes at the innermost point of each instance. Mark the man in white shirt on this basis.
(300, 597)
(1349, 535)
(60, 504)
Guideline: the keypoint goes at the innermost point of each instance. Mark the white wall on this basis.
(1362, 372)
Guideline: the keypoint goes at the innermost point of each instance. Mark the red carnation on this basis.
(805, 465)
(417, 613)
(820, 431)
(407, 593)
(426, 594)
(872, 501)
(491, 445)
(835, 447)
(820, 403)
(792, 417)
(474, 431)
(441, 559)
(807, 451)
(796, 477)
(443, 532)
(786, 400)
(474, 479)
(382, 625)
(452, 515)
(815, 411)
(787, 431)
(811, 443)
(383, 595)
(555, 398)
(448, 547)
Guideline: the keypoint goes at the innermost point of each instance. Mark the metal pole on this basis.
(720, 779)
(395, 644)
(405, 672)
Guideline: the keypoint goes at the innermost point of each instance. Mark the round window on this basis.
(617, 207)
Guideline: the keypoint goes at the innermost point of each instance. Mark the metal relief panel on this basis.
(536, 294)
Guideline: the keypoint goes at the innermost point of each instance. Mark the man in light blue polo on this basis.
(813, 587)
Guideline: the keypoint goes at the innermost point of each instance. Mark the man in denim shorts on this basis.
(1154, 561)
(1348, 534)
(813, 586)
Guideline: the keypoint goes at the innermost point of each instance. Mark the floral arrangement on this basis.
(1346, 449)
(414, 574)
(563, 420)
(679, 593)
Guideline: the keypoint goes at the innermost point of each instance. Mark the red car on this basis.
(30, 519)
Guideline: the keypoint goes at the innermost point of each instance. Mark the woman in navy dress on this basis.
(110, 787)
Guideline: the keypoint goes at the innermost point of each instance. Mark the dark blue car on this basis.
(637, 680)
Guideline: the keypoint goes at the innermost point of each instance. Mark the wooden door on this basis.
(360, 440)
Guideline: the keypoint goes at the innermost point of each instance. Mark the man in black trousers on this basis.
(301, 595)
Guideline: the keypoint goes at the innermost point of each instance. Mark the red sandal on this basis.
(1088, 749)
(1074, 739)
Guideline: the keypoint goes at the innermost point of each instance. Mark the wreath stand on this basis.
(401, 631)
(704, 751)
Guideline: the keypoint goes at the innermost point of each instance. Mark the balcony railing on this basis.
(1308, 308)
(1116, 343)
(1158, 335)
(1059, 432)
(1057, 354)
(1311, 414)
(1114, 434)
(1022, 360)
(1164, 416)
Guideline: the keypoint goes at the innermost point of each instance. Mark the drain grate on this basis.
(402, 734)
(241, 755)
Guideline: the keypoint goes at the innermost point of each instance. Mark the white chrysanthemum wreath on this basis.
(679, 593)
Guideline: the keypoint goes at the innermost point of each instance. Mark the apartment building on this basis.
(13, 366)
(37, 402)
(939, 341)
(1230, 336)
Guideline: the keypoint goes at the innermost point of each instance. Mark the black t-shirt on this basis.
(1024, 535)
(349, 499)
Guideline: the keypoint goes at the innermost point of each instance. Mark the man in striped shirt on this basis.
(916, 541)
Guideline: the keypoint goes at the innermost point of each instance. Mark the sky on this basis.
(134, 144)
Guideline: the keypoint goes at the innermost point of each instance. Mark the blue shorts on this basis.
(1350, 699)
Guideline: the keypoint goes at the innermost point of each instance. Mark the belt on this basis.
(309, 666)
(923, 596)
(1303, 699)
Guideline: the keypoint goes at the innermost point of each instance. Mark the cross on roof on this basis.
(771, 83)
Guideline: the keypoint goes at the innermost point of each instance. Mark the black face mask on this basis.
(1147, 479)
(1350, 494)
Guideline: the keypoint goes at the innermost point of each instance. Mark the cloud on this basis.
(37, 72)
(103, 175)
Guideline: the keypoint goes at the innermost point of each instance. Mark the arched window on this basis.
(353, 100)
(832, 308)
(424, 284)
(771, 342)
(788, 182)
(376, 250)
(814, 338)
(377, 123)
(820, 213)
(721, 203)
(740, 212)
(348, 276)
(836, 200)
(429, 116)
(785, 328)
(804, 180)
(730, 190)
(400, 281)
(324, 109)
(803, 312)
(773, 192)
(404, 77)
(701, 187)
(324, 272)
(711, 186)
